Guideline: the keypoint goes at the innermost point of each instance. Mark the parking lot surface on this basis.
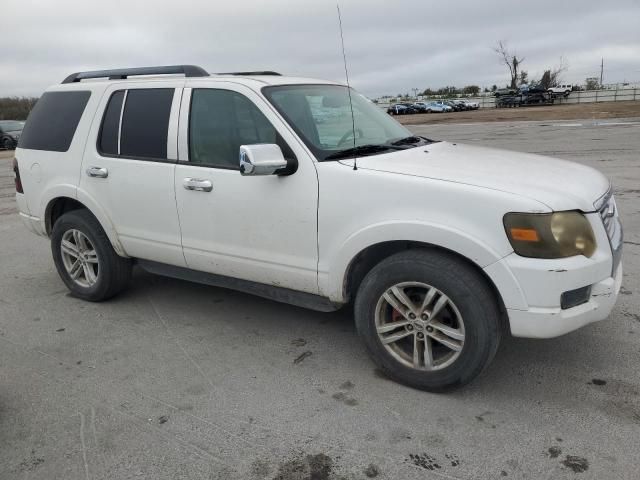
(173, 380)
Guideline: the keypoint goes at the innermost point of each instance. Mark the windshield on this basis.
(321, 116)
(10, 125)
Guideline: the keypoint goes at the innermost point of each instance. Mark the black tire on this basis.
(7, 144)
(465, 287)
(114, 272)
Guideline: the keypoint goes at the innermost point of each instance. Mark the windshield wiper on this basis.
(362, 150)
(407, 140)
(411, 140)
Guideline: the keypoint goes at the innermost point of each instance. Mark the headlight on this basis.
(550, 235)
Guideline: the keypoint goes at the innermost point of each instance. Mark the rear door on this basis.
(128, 167)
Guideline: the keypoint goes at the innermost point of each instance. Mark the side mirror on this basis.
(261, 159)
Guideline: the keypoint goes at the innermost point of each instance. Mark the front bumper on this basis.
(531, 289)
(545, 322)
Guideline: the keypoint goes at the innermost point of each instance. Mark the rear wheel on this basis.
(428, 319)
(7, 144)
(85, 259)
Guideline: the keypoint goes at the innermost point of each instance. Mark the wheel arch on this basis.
(370, 256)
(58, 206)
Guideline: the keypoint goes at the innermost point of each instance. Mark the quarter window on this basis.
(53, 121)
(222, 120)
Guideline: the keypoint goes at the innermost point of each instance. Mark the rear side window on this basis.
(53, 121)
(145, 122)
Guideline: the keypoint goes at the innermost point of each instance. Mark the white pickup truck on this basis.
(270, 185)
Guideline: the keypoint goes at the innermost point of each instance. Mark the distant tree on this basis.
(553, 76)
(447, 91)
(428, 92)
(557, 71)
(494, 88)
(15, 108)
(511, 60)
(471, 90)
(524, 77)
(592, 83)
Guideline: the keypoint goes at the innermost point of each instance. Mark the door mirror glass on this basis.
(261, 159)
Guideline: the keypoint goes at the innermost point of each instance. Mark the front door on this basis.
(262, 228)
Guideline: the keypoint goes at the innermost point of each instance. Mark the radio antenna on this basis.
(346, 74)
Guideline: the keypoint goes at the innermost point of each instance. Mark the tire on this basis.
(470, 310)
(7, 144)
(110, 272)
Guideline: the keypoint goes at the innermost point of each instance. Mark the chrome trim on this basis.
(172, 134)
(183, 125)
(124, 101)
(605, 196)
(608, 212)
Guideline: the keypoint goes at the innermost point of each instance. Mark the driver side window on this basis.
(222, 120)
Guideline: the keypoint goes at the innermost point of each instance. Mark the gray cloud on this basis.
(391, 46)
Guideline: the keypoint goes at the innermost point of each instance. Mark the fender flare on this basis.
(333, 271)
(71, 191)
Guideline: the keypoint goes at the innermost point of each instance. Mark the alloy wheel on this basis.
(80, 258)
(419, 326)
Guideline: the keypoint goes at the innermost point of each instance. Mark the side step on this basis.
(279, 294)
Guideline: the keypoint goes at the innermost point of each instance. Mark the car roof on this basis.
(254, 81)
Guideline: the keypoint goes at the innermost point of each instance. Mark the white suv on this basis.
(249, 181)
(561, 90)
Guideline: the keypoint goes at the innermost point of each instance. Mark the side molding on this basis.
(279, 294)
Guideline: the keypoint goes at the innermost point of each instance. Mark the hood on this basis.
(559, 184)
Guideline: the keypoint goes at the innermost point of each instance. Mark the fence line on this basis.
(584, 96)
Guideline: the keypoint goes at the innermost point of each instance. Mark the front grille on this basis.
(608, 213)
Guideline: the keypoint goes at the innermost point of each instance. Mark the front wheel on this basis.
(85, 259)
(428, 319)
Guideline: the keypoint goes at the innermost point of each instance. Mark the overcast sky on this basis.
(392, 46)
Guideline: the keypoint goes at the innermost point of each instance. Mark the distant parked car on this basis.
(438, 107)
(461, 104)
(423, 107)
(560, 90)
(531, 89)
(471, 105)
(401, 109)
(504, 91)
(454, 106)
(10, 131)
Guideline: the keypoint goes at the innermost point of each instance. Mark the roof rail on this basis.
(248, 74)
(122, 73)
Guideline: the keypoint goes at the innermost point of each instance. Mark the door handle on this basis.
(97, 172)
(197, 184)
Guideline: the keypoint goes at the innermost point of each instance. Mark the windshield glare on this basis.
(321, 116)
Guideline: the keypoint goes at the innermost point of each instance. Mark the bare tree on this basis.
(553, 76)
(511, 60)
(557, 71)
(524, 77)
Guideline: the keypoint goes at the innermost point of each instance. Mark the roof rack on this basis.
(248, 74)
(122, 73)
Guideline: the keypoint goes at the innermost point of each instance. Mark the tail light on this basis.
(16, 170)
